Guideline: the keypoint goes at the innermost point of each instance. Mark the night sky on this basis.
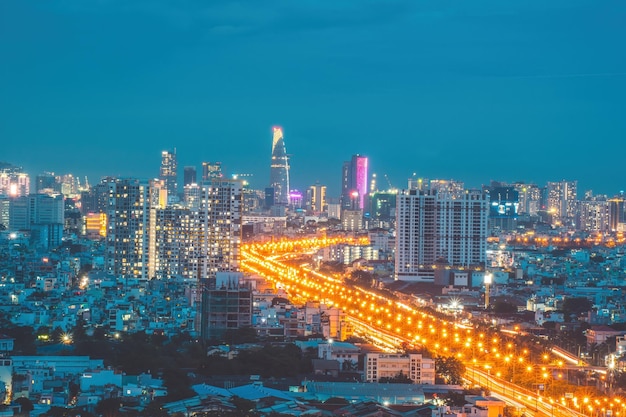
(471, 90)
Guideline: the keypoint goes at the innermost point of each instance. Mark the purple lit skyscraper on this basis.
(354, 183)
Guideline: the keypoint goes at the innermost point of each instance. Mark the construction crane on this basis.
(391, 187)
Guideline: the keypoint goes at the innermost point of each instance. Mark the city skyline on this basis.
(475, 92)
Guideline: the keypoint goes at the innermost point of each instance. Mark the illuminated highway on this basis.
(492, 360)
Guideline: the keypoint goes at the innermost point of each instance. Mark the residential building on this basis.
(168, 172)
(439, 228)
(226, 305)
(317, 198)
(562, 201)
(415, 366)
(220, 217)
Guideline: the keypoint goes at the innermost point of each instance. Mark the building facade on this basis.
(415, 366)
(434, 228)
(220, 219)
(169, 172)
(562, 201)
(354, 183)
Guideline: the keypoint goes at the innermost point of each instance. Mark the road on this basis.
(391, 324)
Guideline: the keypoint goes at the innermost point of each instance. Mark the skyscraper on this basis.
(562, 201)
(220, 214)
(354, 183)
(279, 169)
(616, 213)
(433, 227)
(131, 236)
(211, 170)
(169, 171)
(189, 175)
(317, 198)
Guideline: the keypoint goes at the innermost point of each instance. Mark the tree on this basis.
(576, 305)
(337, 401)
(454, 399)
(449, 369)
(109, 407)
(503, 307)
(400, 378)
(242, 405)
(26, 405)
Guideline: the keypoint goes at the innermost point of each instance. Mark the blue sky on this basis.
(473, 90)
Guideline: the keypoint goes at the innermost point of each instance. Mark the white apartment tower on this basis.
(562, 201)
(131, 226)
(220, 214)
(437, 227)
(177, 243)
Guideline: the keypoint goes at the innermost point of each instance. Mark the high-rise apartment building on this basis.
(42, 214)
(451, 188)
(316, 197)
(617, 217)
(96, 199)
(433, 228)
(169, 172)
(529, 198)
(503, 207)
(189, 175)
(131, 229)
(177, 243)
(595, 215)
(46, 183)
(562, 201)
(14, 182)
(4, 211)
(211, 170)
(220, 214)
(148, 238)
(354, 182)
(191, 196)
(279, 169)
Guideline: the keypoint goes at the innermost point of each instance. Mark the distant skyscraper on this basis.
(562, 201)
(594, 214)
(279, 171)
(432, 227)
(42, 214)
(616, 213)
(504, 202)
(169, 172)
(529, 198)
(211, 170)
(451, 188)
(354, 183)
(317, 198)
(46, 183)
(14, 182)
(189, 176)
